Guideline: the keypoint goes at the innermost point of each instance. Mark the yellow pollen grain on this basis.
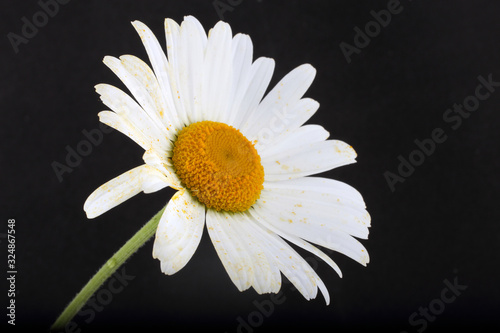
(218, 165)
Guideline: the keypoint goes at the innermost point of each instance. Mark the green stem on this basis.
(129, 248)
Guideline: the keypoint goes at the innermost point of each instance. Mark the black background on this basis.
(441, 224)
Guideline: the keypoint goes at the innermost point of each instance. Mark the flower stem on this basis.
(129, 248)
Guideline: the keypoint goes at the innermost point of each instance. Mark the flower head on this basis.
(241, 161)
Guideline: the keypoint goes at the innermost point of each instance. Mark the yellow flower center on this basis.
(218, 165)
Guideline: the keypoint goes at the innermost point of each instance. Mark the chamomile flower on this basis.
(242, 162)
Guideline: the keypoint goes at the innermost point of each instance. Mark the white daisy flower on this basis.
(241, 162)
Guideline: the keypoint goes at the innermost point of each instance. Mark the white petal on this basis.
(229, 247)
(251, 89)
(316, 222)
(136, 78)
(290, 263)
(284, 95)
(217, 73)
(247, 260)
(160, 67)
(297, 241)
(174, 57)
(179, 232)
(114, 192)
(185, 47)
(153, 103)
(308, 159)
(302, 136)
(242, 62)
(285, 123)
(124, 126)
(266, 275)
(321, 189)
(232, 238)
(162, 163)
(134, 115)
